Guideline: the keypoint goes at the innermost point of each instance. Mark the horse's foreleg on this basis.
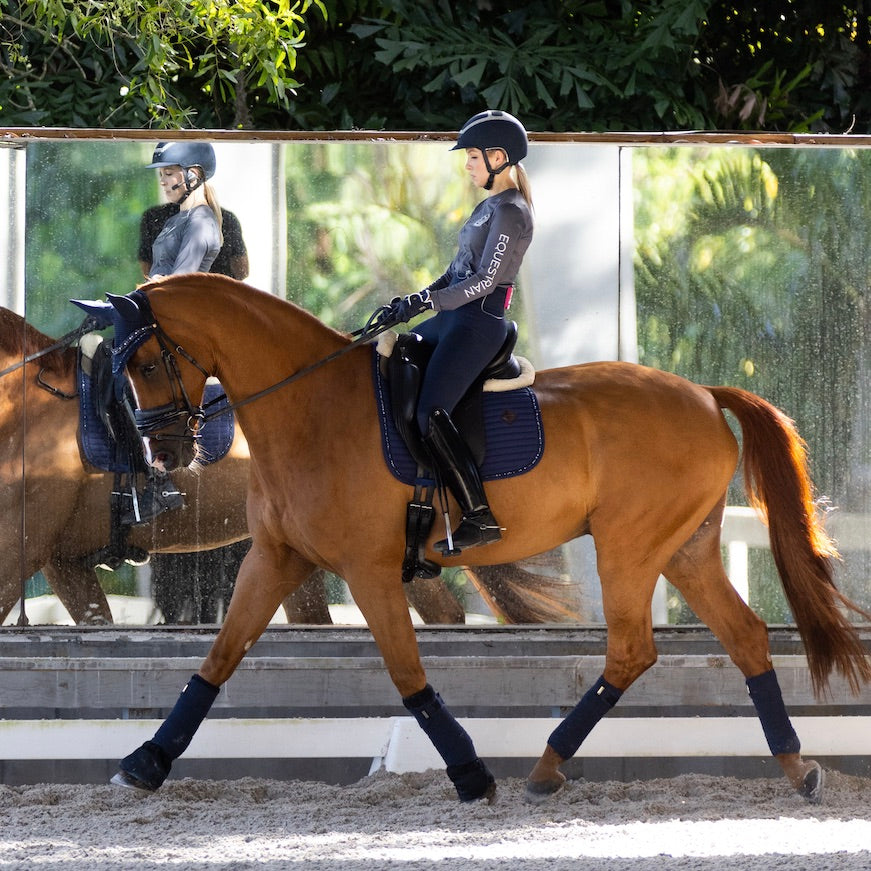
(267, 576)
(386, 613)
(697, 571)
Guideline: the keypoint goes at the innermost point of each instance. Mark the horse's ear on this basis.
(127, 308)
(98, 309)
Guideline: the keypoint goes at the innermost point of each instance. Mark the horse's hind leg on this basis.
(434, 602)
(627, 592)
(77, 587)
(307, 604)
(697, 571)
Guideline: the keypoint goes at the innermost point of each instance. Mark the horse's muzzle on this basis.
(170, 434)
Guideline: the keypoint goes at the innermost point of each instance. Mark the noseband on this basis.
(152, 422)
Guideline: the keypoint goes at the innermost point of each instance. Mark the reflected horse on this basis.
(638, 458)
(64, 502)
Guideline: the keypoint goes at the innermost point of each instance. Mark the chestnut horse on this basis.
(638, 458)
(65, 501)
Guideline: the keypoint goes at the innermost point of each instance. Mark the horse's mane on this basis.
(256, 299)
(19, 339)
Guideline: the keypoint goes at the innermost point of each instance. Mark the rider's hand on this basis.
(404, 308)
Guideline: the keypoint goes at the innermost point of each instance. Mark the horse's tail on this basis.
(515, 594)
(779, 486)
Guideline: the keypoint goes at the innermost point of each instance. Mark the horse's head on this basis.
(167, 383)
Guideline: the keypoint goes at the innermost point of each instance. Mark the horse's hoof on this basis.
(539, 791)
(811, 788)
(145, 768)
(487, 797)
(124, 780)
(473, 781)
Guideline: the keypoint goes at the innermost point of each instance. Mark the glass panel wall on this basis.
(727, 264)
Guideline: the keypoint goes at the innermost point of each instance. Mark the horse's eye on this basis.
(148, 369)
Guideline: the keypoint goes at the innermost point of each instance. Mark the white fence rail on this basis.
(397, 744)
(743, 529)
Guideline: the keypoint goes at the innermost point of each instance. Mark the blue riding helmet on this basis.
(494, 129)
(185, 155)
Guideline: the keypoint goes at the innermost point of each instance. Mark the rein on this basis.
(89, 324)
(376, 325)
(153, 420)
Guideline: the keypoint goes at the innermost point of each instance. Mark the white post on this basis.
(738, 568)
(13, 162)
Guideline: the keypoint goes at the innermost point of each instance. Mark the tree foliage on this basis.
(751, 270)
(562, 65)
(558, 65)
(137, 63)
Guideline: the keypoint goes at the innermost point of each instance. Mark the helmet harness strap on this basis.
(189, 187)
(493, 172)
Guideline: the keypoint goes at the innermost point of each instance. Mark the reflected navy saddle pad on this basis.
(513, 434)
(98, 445)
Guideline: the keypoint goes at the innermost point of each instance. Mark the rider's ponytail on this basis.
(212, 200)
(523, 184)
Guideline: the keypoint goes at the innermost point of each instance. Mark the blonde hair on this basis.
(212, 200)
(522, 181)
(518, 176)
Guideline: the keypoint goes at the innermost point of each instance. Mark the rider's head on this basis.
(195, 160)
(494, 131)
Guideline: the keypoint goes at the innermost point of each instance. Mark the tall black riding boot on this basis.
(456, 466)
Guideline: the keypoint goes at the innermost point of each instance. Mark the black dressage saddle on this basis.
(406, 367)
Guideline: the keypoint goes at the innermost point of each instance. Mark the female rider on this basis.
(470, 299)
(188, 242)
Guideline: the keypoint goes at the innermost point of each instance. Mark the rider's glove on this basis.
(404, 308)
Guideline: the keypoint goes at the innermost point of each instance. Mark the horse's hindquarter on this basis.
(628, 448)
(49, 457)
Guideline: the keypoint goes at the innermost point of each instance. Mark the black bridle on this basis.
(153, 421)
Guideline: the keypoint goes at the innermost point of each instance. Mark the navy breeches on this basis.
(465, 340)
